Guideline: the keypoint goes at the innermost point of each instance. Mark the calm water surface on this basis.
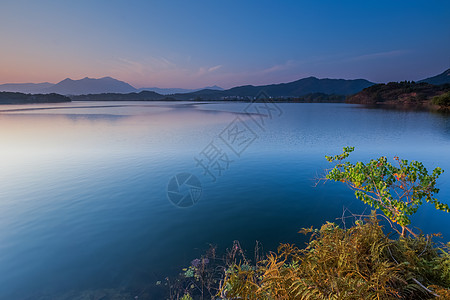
(83, 186)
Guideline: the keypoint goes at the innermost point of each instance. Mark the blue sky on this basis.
(193, 44)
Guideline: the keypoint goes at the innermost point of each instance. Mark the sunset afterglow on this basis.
(228, 43)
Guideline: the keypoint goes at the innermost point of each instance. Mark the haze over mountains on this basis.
(104, 85)
(89, 86)
(302, 87)
(27, 88)
(108, 85)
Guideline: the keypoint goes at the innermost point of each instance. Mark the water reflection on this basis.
(83, 202)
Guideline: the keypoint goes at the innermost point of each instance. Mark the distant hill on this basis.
(442, 78)
(20, 98)
(27, 88)
(404, 93)
(90, 86)
(171, 91)
(142, 96)
(309, 85)
(293, 89)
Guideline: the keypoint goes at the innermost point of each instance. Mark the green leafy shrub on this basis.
(442, 100)
(398, 191)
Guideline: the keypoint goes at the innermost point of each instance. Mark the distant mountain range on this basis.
(108, 87)
(293, 89)
(89, 86)
(71, 87)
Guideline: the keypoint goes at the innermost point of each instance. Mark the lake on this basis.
(114, 196)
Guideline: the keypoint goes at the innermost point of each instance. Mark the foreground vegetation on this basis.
(356, 263)
(360, 262)
(364, 261)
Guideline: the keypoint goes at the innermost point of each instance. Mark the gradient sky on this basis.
(192, 44)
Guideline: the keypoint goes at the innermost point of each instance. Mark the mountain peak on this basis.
(214, 87)
(442, 78)
(90, 86)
